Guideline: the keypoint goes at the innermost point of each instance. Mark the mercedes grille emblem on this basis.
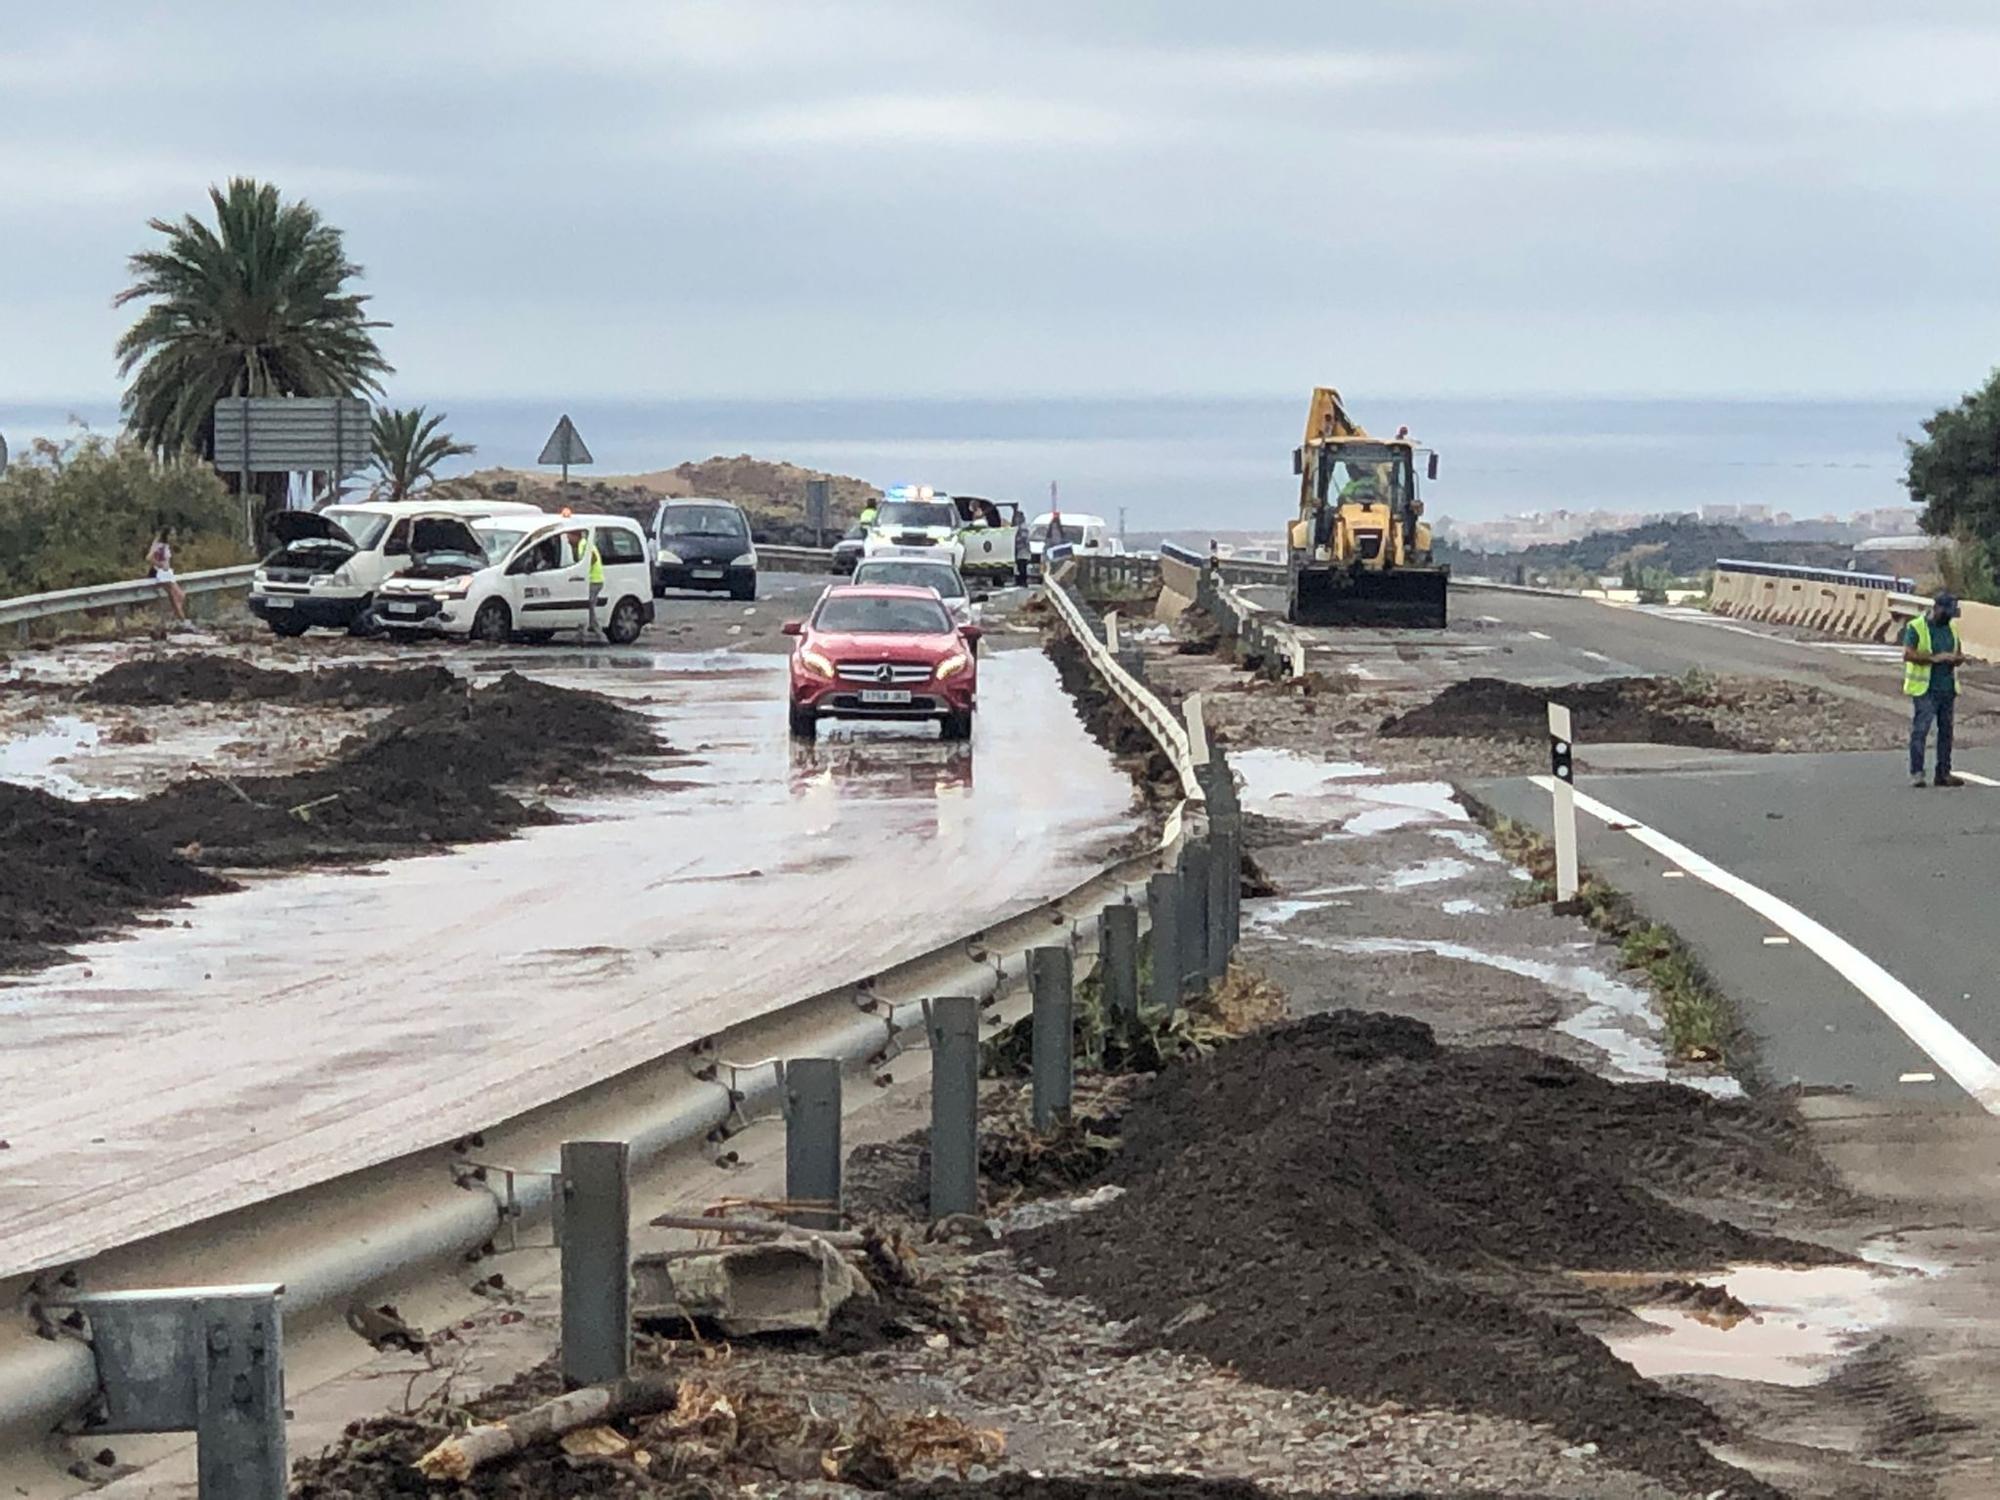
(885, 673)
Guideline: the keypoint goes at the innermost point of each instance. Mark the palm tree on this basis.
(406, 449)
(255, 306)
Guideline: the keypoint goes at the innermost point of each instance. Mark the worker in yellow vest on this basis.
(584, 541)
(1931, 657)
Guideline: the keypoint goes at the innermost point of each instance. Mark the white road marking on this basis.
(1673, 875)
(1538, 635)
(1917, 1078)
(1947, 1046)
(1975, 778)
(1777, 942)
(1593, 655)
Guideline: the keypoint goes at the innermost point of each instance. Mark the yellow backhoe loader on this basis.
(1359, 552)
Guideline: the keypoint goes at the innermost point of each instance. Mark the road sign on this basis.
(3, 455)
(291, 434)
(819, 492)
(565, 446)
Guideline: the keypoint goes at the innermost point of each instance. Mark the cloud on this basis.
(1905, 72)
(75, 177)
(929, 121)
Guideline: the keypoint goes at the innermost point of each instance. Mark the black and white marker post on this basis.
(1562, 783)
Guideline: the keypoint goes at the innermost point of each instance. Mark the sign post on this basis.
(1562, 772)
(819, 493)
(565, 447)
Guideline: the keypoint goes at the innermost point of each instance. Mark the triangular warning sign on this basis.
(565, 445)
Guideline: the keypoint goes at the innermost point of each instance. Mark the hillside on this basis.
(1683, 548)
(772, 493)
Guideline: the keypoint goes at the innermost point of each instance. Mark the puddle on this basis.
(1471, 841)
(1617, 1018)
(34, 759)
(1271, 775)
(1461, 907)
(1430, 872)
(1802, 1322)
(1285, 784)
(1267, 913)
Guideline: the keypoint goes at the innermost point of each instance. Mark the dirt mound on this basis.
(76, 869)
(1019, 1486)
(150, 681)
(1651, 710)
(435, 771)
(1342, 1203)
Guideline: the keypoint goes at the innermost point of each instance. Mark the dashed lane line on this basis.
(1951, 1049)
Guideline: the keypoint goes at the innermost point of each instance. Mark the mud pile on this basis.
(436, 771)
(1343, 1204)
(1017, 1486)
(155, 681)
(75, 869)
(1701, 712)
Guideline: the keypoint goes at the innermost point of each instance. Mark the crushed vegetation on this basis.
(1343, 1204)
(1701, 1023)
(1236, 1005)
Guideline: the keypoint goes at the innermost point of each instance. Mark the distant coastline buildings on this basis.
(1757, 522)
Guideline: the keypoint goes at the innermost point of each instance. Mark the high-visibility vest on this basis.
(586, 551)
(1917, 674)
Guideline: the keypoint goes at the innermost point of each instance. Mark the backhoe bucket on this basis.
(1409, 598)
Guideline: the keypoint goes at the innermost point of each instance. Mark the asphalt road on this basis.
(1900, 880)
(315, 1024)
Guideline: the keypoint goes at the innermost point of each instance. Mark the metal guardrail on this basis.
(1839, 577)
(1086, 628)
(26, 610)
(1260, 634)
(798, 559)
(345, 1240)
(1233, 569)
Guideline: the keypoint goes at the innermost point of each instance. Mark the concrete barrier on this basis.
(1979, 631)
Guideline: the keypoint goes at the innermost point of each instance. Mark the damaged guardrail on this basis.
(133, 1338)
(28, 610)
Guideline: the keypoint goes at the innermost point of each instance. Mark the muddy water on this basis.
(318, 1023)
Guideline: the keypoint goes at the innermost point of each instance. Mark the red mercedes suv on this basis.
(883, 653)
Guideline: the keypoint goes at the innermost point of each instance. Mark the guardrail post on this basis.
(1118, 964)
(812, 1141)
(207, 1360)
(1562, 784)
(1221, 871)
(595, 1234)
(954, 1029)
(1163, 911)
(1194, 916)
(1051, 978)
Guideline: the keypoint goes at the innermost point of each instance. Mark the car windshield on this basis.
(864, 614)
(917, 514)
(702, 520)
(914, 575)
(499, 537)
(366, 528)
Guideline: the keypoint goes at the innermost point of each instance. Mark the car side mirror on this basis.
(1431, 469)
(795, 627)
(972, 633)
(1298, 460)
(981, 598)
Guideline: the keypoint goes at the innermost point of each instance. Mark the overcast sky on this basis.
(1043, 196)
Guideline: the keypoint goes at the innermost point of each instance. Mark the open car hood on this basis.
(288, 526)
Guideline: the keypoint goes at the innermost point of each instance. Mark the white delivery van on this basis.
(1084, 533)
(528, 583)
(327, 564)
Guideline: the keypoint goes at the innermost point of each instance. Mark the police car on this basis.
(915, 521)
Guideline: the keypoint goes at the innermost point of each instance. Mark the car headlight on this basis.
(671, 559)
(455, 585)
(815, 663)
(747, 560)
(320, 580)
(952, 665)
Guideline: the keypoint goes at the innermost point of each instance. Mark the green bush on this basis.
(85, 511)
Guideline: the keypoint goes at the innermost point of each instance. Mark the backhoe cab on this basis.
(1359, 552)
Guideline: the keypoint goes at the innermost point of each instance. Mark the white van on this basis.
(527, 582)
(328, 563)
(1085, 534)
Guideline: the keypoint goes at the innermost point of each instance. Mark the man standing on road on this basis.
(585, 542)
(1930, 676)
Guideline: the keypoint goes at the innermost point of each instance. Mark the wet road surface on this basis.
(315, 1024)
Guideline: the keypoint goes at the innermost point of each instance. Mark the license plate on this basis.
(885, 695)
(706, 572)
(278, 603)
(400, 608)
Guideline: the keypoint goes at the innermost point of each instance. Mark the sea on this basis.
(1173, 462)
